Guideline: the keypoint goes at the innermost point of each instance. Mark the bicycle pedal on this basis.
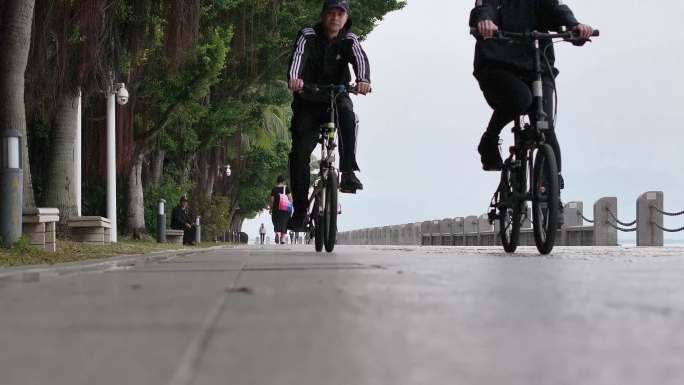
(492, 216)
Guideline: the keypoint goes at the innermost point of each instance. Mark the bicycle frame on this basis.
(328, 142)
(527, 137)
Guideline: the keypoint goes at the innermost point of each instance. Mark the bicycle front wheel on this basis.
(545, 199)
(330, 212)
(317, 231)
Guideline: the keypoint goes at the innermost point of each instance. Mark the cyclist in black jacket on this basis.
(321, 56)
(505, 71)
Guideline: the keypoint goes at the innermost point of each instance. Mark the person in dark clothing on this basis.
(505, 71)
(321, 56)
(280, 215)
(180, 220)
(262, 233)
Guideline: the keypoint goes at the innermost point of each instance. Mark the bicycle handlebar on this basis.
(339, 88)
(534, 35)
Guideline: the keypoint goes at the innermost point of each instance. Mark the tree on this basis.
(16, 17)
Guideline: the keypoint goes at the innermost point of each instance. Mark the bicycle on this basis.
(530, 173)
(323, 202)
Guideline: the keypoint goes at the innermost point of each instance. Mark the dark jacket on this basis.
(179, 218)
(318, 61)
(518, 16)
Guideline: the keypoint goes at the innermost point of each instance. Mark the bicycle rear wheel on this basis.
(330, 212)
(545, 199)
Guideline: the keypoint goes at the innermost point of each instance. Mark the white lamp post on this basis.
(118, 94)
(11, 187)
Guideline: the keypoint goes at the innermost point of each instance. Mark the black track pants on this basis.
(306, 123)
(510, 95)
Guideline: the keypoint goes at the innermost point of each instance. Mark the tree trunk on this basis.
(16, 17)
(136, 205)
(157, 168)
(61, 190)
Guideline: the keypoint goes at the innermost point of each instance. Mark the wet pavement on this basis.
(363, 315)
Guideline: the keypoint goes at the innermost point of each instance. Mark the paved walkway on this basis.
(364, 315)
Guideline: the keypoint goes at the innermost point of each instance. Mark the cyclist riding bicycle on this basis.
(321, 56)
(505, 71)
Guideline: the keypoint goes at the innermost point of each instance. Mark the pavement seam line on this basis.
(187, 367)
(35, 274)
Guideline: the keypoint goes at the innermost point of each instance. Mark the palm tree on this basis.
(16, 18)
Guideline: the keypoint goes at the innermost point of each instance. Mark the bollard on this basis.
(572, 214)
(198, 233)
(459, 232)
(604, 233)
(486, 234)
(11, 187)
(446, 229)
(425, 233)
(386, 235)
(434, 233)
(527, 220)
(161, 222)
(648, 219)
(471, 231)
(415, 235)
(395, 235)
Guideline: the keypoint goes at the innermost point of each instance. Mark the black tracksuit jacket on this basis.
(318, 61)
(517, 16)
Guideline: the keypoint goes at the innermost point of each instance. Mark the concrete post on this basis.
(161, 222)
(459, 232)
(485, 231)
(604, 234)
(648, 234)
(573, 214)
(471, 227)
(395, 235)
(415, 237)
(446, 230)
(425, 233)
(435, 238)
(527, 221)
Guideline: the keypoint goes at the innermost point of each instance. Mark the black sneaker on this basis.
(561, 182)
(489, 152)
(350, 183)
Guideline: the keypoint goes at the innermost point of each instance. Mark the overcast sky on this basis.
(620, 114)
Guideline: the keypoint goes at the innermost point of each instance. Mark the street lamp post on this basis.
(117, 94)
(11, 187)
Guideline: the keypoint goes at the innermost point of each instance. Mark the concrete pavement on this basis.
(364, 315)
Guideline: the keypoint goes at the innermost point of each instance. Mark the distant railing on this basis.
(477, 231)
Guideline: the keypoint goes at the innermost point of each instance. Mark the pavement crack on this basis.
(192, 357)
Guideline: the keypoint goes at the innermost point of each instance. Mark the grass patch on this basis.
(23, 254)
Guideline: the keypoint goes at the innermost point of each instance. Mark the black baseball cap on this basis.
(330, 4)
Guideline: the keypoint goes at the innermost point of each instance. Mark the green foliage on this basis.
(214, 215)
(264, 166)
(227, 93)
(169, 190)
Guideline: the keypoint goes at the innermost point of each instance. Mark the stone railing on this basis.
(578, 230)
